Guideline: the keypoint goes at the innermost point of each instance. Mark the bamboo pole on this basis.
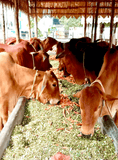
(96, 20)
(29, 21)
(17, 21)
(3, 24)
(92, 29)
(36, 32)
(85, 19)
(111, 24)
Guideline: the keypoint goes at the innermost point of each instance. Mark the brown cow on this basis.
(85, 61)
(17, 81)
(45, 45)
(98, 99)
(20, 54)
(72, 46)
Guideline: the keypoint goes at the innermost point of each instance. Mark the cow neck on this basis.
(25, 78)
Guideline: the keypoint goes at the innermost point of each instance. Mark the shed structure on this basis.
(68, 8)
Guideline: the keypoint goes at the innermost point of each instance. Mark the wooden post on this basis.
(3, 23)
(17, 20)
(96, 20)
(92, 29)
(111, 24)
(29, 21)
(36, 32)
(85, 19)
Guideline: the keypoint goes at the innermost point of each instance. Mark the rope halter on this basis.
(30, 96)
(103, 101)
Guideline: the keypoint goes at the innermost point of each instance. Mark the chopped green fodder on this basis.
(54, 63)
(70, 89)
(45, 131)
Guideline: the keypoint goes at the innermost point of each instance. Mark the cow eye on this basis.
(54, 84)
(99, 106)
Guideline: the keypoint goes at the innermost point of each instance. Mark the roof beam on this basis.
(77, 7)
(111, 24)
(76, 1)
(71, 14)
(96, 19)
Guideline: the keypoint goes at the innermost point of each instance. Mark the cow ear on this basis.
(108, 97)
(43, 85)
(78, 94)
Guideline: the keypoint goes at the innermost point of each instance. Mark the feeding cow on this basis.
(98, 99)
(21, 55)
(84, 61)
(64, 47)
(18, 81)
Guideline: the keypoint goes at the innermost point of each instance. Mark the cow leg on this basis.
(1, 124)
(4, 115)
(116, 119)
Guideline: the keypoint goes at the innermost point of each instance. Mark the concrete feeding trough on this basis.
(15, 118)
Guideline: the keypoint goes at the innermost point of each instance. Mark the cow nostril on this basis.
(48, 102)
(58, 102)
(86, 136)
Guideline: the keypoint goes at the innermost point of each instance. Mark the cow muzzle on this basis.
(86, 136)
(54, 101)
(87, 132)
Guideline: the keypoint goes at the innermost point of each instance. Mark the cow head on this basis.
(41, 60)
(92, 105)
(60, 48)
(48, 90)
(37, 43)
(48, 43)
